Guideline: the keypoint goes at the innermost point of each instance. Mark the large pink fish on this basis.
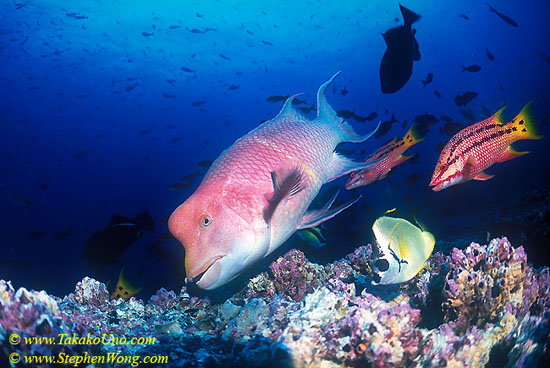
(257, 193)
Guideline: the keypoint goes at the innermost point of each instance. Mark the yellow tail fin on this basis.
(412, 137)
(525, 124)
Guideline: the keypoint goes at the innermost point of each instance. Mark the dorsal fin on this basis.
(497, 116)
(324, 110)
(289, 111)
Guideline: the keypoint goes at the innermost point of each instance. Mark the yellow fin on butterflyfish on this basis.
(124, 288)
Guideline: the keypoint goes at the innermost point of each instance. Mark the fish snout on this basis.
(206, 274)
(353, 181)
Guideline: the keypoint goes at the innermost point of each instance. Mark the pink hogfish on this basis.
(257, 193)
(479, 146)
(388, 156)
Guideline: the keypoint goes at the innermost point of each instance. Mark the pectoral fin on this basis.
(286, 184)
(315, 217)
(483, 176)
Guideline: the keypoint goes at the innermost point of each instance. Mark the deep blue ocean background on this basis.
(97, 117)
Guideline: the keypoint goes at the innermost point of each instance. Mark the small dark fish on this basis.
(189, 177)
(174, 27)
(62, 235)
(171, 81)
(204, 164)
(297, 101)
(170, 126)
(372, 116)
(429, 79)
(106, 246)
(504, 17)
(225, 57)
(144, 132)
(199, 15)
(198, 103)
(19, 6)
(176, 139)
(412, 179)
(179, 186)
(446, 118)
(451, 128)
(402, 49)
(307, 110)
(344, 91)
(35, 235)
(465, 98)
(146, 34)
(233, 87)
(490, 56)
(76, 15)
(274, 99)
(168, 95)
(385, 127)
(346, 114)
(464, 16)
(130, 87)
(471, 68)
(437, 94)
(359, 118)
(424, 123)
(187, 70)
(267, 43)
(545, 57)
(440, 147)
(468, 114)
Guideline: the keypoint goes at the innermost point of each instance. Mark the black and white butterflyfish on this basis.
(401, 250)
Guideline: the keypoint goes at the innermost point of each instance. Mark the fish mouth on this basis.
(202, 277)
(437, 187)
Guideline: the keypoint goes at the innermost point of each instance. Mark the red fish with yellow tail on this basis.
(386, 158)
(479, 146)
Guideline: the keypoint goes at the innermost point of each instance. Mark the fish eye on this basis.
(205, 221)
(352, 175)
(444, 167)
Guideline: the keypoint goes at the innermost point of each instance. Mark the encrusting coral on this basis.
(479, 306)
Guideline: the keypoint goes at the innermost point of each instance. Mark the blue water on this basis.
(71, 120)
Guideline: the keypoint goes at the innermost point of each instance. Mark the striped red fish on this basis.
(386, 157)
(479, 146)
(256, 194)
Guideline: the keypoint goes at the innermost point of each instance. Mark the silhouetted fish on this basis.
(267, 43)
(35, 235)
(168, 95)
(385, 127)
(372, 116)
(187, 70)
(468, 114)
(465, 98)
(106, 246)
(307, 110)
(504, 17)
(402, 49)
(437, 94)
(297, 101)
(346, 114)
(146, 34)
(205, 164)
(464, 16)
(344, 91)
(424, 123)
(489, 55)
(144, 132)
(198, 103)
(428, 80)
(451, 128)
(274, 99)
(545, 57)
(225, 57)
(233, 87)
(471, 68)
(446, 118)
(62, 235)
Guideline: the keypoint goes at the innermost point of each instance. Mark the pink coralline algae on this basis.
(483, 305)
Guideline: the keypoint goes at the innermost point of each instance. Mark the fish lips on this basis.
(440, 185)
(206, 276)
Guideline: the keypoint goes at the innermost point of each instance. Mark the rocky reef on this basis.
(483, 305)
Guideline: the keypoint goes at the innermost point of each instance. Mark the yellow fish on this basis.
(124, 288)
(401, 251)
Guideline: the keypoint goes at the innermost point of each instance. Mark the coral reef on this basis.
(483, 305)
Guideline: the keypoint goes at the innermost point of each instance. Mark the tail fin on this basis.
(408, 16)
(412, 137)
(525, 124)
